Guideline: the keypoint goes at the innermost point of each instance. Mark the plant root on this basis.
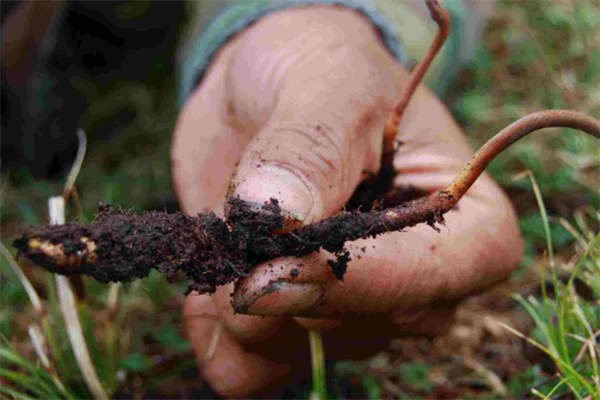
(373, 189)
(120, 246)
(442, 18)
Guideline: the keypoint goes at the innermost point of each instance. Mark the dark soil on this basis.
(210, 251)
(128, 246)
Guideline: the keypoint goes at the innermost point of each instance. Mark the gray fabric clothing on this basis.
(405, 27)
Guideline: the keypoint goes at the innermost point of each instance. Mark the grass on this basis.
(567, 326)
(536, 55)
(34, 382)
(104, 323)
(319, 386)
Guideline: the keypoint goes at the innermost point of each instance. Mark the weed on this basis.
(567, 324)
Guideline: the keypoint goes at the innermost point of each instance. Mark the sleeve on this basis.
(404, 26)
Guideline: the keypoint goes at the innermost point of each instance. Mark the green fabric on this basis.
(235, 16)
(405, 27)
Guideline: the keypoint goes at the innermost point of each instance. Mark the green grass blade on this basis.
(42, 377)
(537, 317)
(34, 298)
(558, 333)
(319, 390)
(33, 385)
(566, 367)
(8, 356)
(554, 389)
(594, 242)
(15, 394)
(574, 391)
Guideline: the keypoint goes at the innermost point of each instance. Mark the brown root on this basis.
(372, 189)
(512, 133)
(120, 246)
(442, 18)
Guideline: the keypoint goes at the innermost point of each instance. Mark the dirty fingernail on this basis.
(262, 184)
(279, 297)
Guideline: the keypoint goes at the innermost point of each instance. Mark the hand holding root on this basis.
(120, 246)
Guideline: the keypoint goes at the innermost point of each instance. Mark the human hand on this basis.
(296, 105)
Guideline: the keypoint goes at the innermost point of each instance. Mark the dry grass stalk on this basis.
(68, 308)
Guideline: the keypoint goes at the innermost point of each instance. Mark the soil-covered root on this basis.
(121, 246)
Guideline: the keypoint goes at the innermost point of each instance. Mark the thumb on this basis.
(323, 133)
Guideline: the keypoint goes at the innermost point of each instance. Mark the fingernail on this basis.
(262, 184)
(280, 297)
